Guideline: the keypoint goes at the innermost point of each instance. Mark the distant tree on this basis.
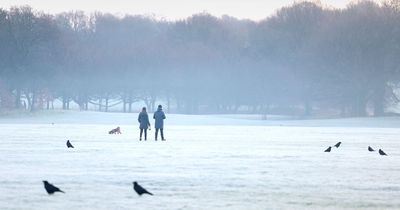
(288, 40)
(31, 34)
(305, 59)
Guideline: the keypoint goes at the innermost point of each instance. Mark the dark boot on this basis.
(162, 134)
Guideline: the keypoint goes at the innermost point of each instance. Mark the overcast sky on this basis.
(169, 9)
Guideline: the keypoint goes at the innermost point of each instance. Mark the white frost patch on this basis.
(199, 166)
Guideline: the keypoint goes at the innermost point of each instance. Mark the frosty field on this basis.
(207, 162)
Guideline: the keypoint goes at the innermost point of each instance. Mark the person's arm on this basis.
(138, 118)
(163, 115)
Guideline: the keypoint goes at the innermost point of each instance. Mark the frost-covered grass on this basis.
(207, 162)
(76, 117)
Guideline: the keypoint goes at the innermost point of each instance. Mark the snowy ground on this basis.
(207, 162)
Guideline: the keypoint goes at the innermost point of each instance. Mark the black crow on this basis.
(337, 145)
(370, 149)
(328, 150)
(382, 152)
(69, 145)
(51, 188)
(139, 189)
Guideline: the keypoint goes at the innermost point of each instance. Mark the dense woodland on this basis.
(304, 60)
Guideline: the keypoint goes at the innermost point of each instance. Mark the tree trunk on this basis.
(178, 106)
(100, 104)
(28, 97)
(64, 102)
(153, 104)
(379, 100)
(18, 99)
(33, 101)
(359, 107)
(124, 103)
(148, 105)
(47, 103)
(106, 108)
(130, 103)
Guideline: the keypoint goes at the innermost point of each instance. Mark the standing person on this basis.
(159, 117)
(144, 123)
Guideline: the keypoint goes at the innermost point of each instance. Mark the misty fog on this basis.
(305, 60)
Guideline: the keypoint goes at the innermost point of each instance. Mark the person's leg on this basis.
(141, 132)
(156, 134)
(162, 133)
(145, 134)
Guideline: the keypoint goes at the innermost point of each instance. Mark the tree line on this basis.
(306, 59)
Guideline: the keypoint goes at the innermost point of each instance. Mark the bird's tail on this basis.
(149, 193)
(62, 191)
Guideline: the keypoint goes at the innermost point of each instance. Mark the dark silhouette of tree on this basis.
(304, 60)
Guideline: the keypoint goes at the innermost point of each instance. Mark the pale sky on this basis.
(169, 9)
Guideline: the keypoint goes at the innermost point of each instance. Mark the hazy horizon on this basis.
(174, 10)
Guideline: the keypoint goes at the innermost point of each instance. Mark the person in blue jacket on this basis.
(144, 123)
(159, 117)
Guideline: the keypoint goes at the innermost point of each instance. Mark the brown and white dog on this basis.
(115, 131)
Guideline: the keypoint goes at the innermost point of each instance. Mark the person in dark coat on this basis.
(144, 123)
(159, 117)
